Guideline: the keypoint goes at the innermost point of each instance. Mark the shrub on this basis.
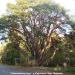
(9, 55)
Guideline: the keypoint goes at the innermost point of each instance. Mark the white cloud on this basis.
(3, 5)
(67, 4)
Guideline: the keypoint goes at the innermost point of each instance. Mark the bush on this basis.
(10, 54)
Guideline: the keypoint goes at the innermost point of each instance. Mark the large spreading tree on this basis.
(39, 24)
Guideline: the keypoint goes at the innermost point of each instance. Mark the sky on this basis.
(67, 4)
(3, 4)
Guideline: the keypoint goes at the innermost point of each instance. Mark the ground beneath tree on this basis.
(39, 70)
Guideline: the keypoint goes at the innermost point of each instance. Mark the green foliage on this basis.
(10, 54)
(3, 23)
(40, 41)
(19, 8)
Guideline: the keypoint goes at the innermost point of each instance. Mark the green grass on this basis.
(64, 70)
(70, 69)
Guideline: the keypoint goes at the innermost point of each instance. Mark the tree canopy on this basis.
(40, 25)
